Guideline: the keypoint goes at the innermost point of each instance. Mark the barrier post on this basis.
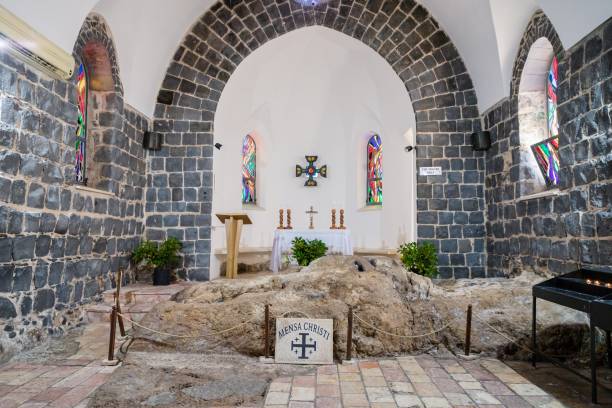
(118, 302)
(468, 330)
(111, 341)
(349, 335)
(267, 331)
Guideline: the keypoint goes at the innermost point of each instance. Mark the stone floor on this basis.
(35, 380)
(421, 381)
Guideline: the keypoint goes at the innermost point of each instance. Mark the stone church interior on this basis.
(305, 203)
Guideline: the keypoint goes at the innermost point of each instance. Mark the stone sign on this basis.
(304, 341)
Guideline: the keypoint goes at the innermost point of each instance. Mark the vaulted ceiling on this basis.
(147, 32)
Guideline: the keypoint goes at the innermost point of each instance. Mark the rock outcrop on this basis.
(227, 315)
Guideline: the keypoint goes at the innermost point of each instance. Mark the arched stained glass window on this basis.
(375, 182)
(249, 158)
(546, 152)
(81, 130)
(551, 96)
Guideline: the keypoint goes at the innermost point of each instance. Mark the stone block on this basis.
(7, 309)
(43, 245)
(41, 272)
(18, 192)
(6, 277)
(36, 196)
(44, 299)
(22, 278)
(23, 247)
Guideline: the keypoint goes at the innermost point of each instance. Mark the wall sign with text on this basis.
(430, 171)
(304, 341)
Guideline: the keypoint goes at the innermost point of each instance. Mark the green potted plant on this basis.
(160, 258)
(306, 251)
(421, 259)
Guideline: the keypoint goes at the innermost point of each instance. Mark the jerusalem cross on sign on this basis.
(311, 171)
(303, 346)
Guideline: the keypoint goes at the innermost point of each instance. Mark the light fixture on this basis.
(152, 140)
(218, 146)
(481, 140)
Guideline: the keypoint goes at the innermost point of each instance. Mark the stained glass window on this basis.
(375, 182)
(81, 130)
(551, 96)
(546, 153)
(249, 156)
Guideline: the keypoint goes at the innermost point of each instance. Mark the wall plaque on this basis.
(304, 341)
(430, 171)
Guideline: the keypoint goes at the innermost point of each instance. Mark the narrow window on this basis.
(551, 96)
(375, 182)
(81, 130)
(546, 152)
(249, 157)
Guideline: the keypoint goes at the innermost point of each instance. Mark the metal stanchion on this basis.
(267, 331)
(118, 303)
(468, 330)
(349, 335)
(111, 341)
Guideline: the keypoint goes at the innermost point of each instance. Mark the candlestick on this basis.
(280, 219)
(333, 216)
(288, 219)
(341, 219)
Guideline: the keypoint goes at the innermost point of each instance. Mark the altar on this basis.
(338, 241)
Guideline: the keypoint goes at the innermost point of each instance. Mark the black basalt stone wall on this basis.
(60, 245)
(559, 232)
(450, 208)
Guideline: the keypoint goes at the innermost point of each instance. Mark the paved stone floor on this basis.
(421, 381)
(46, 381)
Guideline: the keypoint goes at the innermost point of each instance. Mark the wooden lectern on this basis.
(233, 226)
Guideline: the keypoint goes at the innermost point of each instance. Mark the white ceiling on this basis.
(147, 32)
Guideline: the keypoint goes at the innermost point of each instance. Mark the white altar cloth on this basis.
(337, 241)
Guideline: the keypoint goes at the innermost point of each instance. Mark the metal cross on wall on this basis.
(311, 171)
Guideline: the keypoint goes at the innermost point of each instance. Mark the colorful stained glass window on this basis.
(249, 157)
(546, 153)
(551, 96)
(375, 181)
(81, 130)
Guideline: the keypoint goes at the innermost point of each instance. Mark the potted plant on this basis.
(306, 251)
(421, 259)
(160, 258)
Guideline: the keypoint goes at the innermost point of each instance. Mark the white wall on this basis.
(316, 91)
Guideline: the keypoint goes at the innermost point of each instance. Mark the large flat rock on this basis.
(396, 311)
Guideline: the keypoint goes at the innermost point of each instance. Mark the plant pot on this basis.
(161, 276)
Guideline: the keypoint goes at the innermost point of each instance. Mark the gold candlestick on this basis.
(281, 221)
(288, 219)
(342, 220)
(333, 215)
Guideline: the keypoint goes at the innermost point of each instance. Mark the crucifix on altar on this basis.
(311, 212)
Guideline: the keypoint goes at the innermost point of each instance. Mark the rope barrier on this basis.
(184, 336)
(295, 311)
(400, 335)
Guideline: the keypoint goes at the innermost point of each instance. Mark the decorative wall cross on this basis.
(311, 171)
